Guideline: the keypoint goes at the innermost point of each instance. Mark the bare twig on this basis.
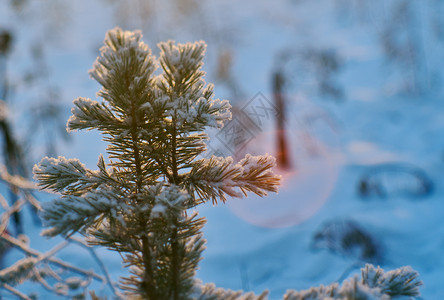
(23, 247)
(32, 200)
(42, 281)
(15, 180)
(51, 272)
(53, 251)
(15, 292)
(4, 202)
(8, 213)
(45, 284)
(100, 263)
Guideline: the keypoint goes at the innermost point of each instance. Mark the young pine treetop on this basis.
(139, 202)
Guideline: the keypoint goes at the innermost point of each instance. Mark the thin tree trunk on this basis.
(282, 156)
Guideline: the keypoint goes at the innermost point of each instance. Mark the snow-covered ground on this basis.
(256, 244)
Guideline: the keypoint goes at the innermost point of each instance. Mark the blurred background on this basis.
(347, 94)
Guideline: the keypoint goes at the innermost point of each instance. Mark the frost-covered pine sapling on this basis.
(139, 202)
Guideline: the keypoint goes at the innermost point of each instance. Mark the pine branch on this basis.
(217, 177)
(210, 292)
(374, 284)
(71, 214)
(88, 114)
(400, 282)
(70, 176)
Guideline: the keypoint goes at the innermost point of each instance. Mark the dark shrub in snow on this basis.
(395, 179)
(346, 237)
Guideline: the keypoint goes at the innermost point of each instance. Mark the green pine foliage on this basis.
(374, 284)
(140, 203)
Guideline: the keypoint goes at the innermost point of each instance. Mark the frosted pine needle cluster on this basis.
(374, 284)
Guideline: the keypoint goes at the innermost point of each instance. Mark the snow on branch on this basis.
(39, 267)
(73, 213)
(121, 45)
(374, 284)
(257, 175)
(400, 282)
(190, 99)
(218, 177)
(24, 247)
(60, 173)
(124, 69)
(89, 114)
(210, 292)
(15, 180)
(19, 272)
(167, 200)
(69, 176)
(200, 112)
(182, 62)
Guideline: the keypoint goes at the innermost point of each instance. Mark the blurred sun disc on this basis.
(310, 138)
(304, 190)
